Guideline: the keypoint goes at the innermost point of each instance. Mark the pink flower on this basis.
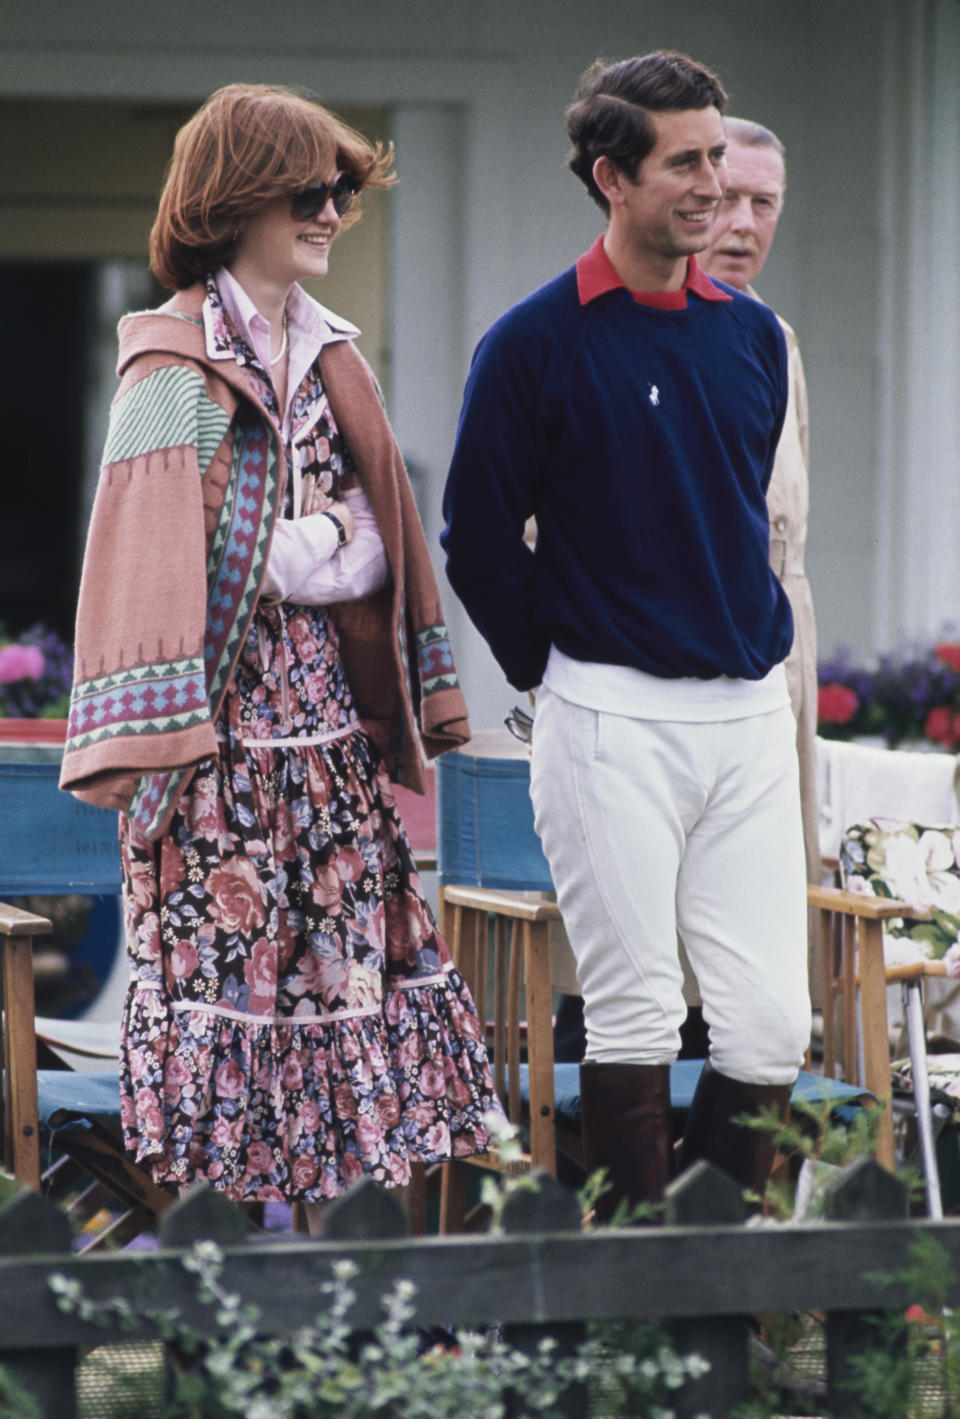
(437, 1140)
(411, 1050)
(20, 662)
(350, 865)
(432, 1082)
(231, 1080)
(237, 903)
(458, 1092)
(298, 627)
(143, 884)
(422, 1114)
(177, 1070)
(387, 1110)
(260, 973)
(308, 1116)
(369, 1132)
(259, 1158)
(183, 960)
(172, 869)
(151, 1120)
(399, 1170)
(351, 1167)
(226, 1132)
(326, 888)
(205, 817)
(148, 938)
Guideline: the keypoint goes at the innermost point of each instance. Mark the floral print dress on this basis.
(294, 1021)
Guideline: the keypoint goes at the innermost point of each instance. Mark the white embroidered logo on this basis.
(654, 395)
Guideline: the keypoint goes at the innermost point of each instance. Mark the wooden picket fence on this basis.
(704, 1273)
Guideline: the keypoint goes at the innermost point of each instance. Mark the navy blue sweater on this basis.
(643, 441)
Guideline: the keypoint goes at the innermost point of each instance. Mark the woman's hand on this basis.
(313, 500)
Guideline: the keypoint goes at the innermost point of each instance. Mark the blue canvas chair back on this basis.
(51, 844)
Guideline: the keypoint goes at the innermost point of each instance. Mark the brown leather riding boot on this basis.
(745, 1154)
(625, 1122)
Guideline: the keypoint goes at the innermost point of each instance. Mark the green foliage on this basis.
(637, 1214)
(15, 1403)
(326, 1370)
(812, 1136)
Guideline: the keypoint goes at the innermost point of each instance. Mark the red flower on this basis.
(836, 703)
(942, 726)
(948, 653)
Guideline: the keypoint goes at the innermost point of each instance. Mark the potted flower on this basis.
(911, 698)
(36, 670)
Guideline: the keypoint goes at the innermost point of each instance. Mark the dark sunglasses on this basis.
(310, 201)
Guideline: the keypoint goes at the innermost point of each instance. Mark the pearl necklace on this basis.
(283, 343)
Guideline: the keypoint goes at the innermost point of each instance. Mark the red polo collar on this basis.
(596, 276)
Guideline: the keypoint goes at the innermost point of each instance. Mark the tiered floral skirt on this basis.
(294, 1021)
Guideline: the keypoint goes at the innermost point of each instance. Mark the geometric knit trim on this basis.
(412, 699)
(241, 547)
(147, 699)
(168, 408)
(435, 660)
(154, 795)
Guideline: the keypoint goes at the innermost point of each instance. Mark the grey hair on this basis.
(753, 135)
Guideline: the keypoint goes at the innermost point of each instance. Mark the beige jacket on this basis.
(788, 500)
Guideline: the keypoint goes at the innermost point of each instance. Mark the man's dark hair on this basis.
(609, 116)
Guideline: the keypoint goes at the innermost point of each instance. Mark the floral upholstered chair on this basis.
(918, 865)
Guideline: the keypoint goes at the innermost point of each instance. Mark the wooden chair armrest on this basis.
(14, 922)
(914, 969)
(522, 906)
(835, 899)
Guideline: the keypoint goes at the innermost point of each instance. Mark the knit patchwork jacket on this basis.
(192, 479)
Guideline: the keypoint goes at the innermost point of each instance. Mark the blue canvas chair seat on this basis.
(72, 1100)
(810, 1088)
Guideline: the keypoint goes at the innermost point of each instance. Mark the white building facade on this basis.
(865, 94)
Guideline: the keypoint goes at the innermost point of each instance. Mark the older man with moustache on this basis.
(742, 236)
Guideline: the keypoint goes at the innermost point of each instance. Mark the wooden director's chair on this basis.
(51, 845)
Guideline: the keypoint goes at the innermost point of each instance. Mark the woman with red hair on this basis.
(260, 651)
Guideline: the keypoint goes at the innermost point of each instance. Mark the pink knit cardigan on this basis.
(193, 476)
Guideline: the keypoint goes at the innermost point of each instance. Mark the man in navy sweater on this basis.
(633, 407)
